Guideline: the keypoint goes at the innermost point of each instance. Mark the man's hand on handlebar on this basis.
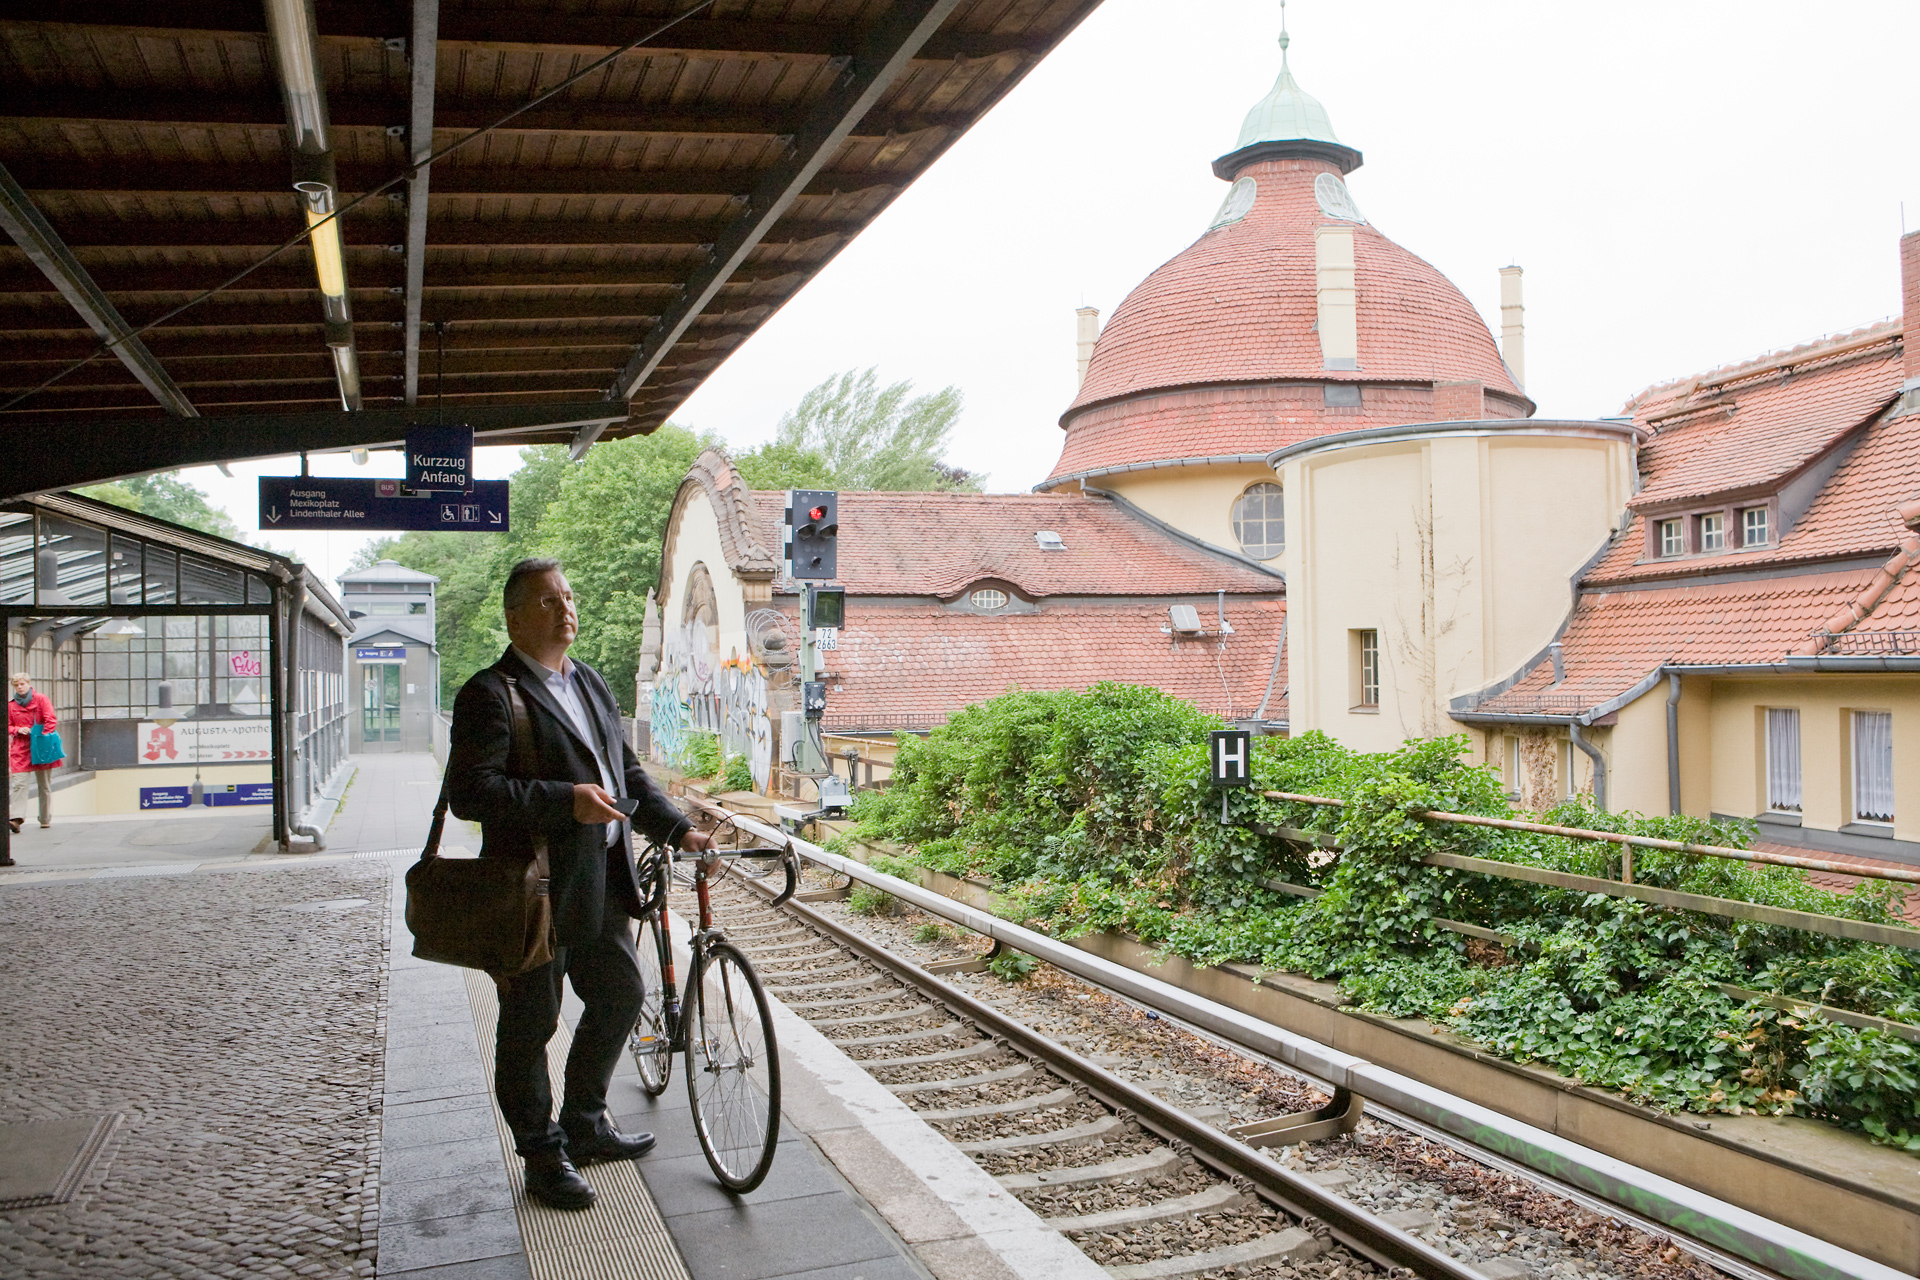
(591, 803)
(695, 841)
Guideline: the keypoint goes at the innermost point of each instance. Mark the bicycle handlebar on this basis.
(789, 863)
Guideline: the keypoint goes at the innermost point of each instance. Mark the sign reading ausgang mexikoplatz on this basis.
(440, 459)
(315, 502)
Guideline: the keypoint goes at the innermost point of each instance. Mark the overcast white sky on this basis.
(1686, 183)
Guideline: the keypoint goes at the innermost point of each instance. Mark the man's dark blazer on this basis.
(484, 787)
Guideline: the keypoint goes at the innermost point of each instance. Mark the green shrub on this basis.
(701, 758)
(931, 931)
(866, 900)
(738, 774)
(1094, 811)
(1012, 966)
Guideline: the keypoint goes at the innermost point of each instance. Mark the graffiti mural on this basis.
(695, 692)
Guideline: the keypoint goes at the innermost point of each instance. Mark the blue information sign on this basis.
(214, 795)
(315, 502)
(440, 459)
(165, 797)
(390, 653)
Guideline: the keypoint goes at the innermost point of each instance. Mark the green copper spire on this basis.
(1286, 114)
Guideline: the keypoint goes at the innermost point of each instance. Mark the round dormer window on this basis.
(988, 598)
(1260, 521)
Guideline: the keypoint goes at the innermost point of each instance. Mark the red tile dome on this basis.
(1216, 353)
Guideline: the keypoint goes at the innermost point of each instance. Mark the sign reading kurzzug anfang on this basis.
(440, 459)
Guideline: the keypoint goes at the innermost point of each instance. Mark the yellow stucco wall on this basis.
(1458, 548)
(1195, 500)
(1722, 745)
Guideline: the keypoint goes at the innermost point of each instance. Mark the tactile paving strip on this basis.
(623, 1236)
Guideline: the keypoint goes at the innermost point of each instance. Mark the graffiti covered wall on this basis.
(696, 692)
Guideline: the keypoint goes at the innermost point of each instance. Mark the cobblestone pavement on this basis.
(235, 1018)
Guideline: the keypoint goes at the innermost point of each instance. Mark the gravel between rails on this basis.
(1455, 1203)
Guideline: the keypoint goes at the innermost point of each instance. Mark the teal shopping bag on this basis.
(45, 746)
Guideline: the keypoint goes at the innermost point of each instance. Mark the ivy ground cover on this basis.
(1093, 811)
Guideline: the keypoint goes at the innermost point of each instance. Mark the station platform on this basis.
(229, 1062)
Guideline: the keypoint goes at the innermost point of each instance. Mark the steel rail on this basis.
(1727, 1226)
(1306, 1201)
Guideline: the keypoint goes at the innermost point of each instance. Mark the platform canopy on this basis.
(572, 273)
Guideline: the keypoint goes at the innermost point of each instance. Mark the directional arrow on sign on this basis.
(273, 516)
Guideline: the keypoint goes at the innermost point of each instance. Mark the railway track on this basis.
(1144, 1187)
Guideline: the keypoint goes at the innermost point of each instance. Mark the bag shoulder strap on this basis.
(520, 751)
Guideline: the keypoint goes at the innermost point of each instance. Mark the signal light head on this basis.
(817, 513)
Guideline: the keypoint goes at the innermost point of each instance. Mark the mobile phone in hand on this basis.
(627, 806)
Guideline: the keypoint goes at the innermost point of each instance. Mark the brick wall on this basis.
(1458, 401)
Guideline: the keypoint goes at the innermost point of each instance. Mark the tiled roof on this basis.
(939, 544)
(1755, 431)
(1238, 305)
(1854, 514)
(911, 666)
(1616, 638)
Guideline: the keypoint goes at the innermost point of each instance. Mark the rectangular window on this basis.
(1713, 532)
(1510, 766)
(1364, 653)
(1754, 531)
(1783, 760)
(1873, 766)
(1673, 538)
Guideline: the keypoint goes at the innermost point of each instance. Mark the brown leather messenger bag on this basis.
(484, 913)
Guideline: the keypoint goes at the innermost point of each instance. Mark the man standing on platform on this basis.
(583, 766)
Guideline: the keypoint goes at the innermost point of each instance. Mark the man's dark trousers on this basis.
(606, 974)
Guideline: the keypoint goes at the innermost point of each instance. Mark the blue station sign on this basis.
(214, 795)
(440, 459)
(331, 504)
(385, 653)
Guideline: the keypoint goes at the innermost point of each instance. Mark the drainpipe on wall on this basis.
(1599, 764)
(1673, 743)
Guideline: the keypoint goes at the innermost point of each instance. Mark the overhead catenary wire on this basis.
(404, 176)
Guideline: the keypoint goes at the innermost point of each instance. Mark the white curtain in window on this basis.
(1783, 759)
(1873, 766)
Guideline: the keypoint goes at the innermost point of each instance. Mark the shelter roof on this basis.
(941, 544)
(911, 666)
(595, 259)
(387, 571)
(406, 630)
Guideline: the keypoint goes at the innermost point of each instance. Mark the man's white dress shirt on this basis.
(561, 685)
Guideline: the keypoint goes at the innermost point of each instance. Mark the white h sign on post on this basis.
(1232, 757)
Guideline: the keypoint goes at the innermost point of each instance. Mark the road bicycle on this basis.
(720, 1023)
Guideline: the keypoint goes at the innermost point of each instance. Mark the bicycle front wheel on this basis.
(652, 1043)
(733, 1068)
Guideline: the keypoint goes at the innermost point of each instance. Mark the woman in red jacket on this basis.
(24, 710)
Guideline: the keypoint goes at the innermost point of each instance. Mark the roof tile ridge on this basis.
(733, 504)
(1857, 610)
(1887, 329)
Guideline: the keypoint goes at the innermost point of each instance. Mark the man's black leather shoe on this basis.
(554, 1182)
(610, 1145)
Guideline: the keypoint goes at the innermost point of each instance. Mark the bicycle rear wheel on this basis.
(652, 1042)
(733, 1068)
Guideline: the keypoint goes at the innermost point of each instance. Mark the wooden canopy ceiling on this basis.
(592, 261)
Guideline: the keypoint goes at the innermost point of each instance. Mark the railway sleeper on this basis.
(1018, 1071)
(774, 979)
(1078, 1135)
(1291, 1244)
(1032, 1102)
(849, 984)
(890, 1015)
(1148, 1164)
(978, 1049)
(1218, 1198)
(808, 945)
(942, 1032)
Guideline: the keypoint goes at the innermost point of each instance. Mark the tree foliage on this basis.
(167, 497)
(1096, 811)
(602, 518)
(851, 433)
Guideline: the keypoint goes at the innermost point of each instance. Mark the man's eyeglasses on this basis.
(554, 604)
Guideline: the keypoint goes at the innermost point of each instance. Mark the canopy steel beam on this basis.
(421, 49)
(470, 180)
(377, 269)
(883, 53)
(584, 34)
(44, 248)
(90, 452)
(262, 234)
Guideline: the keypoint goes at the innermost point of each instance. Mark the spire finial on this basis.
(1284, 41)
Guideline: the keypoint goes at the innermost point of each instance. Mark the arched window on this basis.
(988, 598)
(1260, 521)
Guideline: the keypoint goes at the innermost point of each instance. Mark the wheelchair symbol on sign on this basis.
(449, 514)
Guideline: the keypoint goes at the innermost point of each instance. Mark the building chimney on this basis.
(1910, 316)
(1513, 340)
(1336, 298)
(1089, 319)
